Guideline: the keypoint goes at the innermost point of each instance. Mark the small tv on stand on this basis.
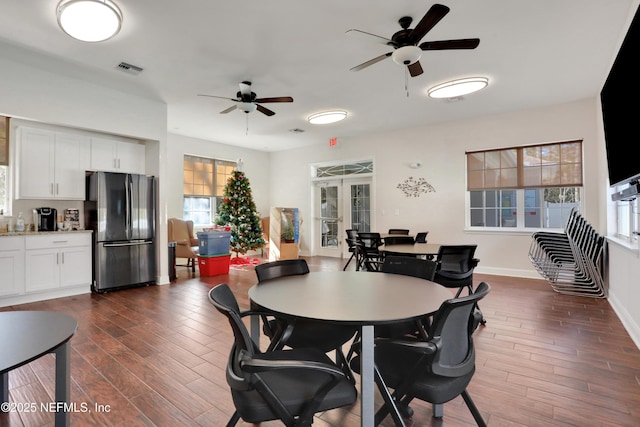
(620, 115)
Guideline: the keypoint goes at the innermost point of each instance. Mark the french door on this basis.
(339, 205)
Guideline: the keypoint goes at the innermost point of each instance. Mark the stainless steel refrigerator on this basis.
(120, 209)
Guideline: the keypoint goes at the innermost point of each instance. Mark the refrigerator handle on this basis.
(128, 205)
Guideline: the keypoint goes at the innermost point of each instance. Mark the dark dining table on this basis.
(358, 298)
(28, 335)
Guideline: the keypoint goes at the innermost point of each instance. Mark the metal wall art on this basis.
(414, 187)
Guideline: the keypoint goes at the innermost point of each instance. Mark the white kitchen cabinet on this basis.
(110, 155)
(51, 165)
(57, 260)
(11, 265)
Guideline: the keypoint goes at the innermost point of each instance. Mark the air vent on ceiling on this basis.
(296, 130)
(128, 68)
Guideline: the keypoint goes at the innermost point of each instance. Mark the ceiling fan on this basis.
(246, 100)
(405, 42)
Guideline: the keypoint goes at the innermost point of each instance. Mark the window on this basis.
(627, 217)
(524, 187)
(204, 180)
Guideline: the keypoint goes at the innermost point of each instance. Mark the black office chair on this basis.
(398, 231)
(286, 385)
(370, 255)
(399, 240)
(301, 333)
(414, 267)
(421, 237)
(436, 370)
(352, 241)
(455, 268)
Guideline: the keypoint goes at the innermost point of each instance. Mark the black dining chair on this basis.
(455, 267)
(436, 370)
(399, 240)
(369, 244)
(288, 385)
(398, 231)
(408, 266)
(414, 267)
(352, 242)
(301, 333)
(421, 237)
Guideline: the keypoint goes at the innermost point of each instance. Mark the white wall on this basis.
(31, 92)
(256, 166)
(441, 150)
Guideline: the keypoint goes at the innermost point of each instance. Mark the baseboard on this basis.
(627, 320)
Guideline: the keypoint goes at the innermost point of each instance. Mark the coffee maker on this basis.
(46, 218)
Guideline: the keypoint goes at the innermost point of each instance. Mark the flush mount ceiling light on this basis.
(406, 55)
(327, 117)
(460, 87)
(89, 20)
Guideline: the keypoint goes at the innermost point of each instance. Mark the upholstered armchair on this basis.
(181, 232)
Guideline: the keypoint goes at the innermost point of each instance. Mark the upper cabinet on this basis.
(51, 165)
(110, 155)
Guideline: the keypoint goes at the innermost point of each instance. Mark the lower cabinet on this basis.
(11, 265)
(41, 266)
(57, 260)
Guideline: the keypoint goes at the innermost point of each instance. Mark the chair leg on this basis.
(234, 419)
(474, 409)
(347, 264)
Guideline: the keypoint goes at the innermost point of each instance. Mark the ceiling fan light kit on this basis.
(247, 107)
(406, 55)
(459, 87)
(89, 20)
(327, 117)
(406, 50)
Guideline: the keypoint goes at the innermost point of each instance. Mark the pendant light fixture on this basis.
(89, 20)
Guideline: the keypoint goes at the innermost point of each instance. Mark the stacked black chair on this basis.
(436, 370)
(287, 385)
(301, 333)
(572, 262)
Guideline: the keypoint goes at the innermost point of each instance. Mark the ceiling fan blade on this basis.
(265, 110)
(228, 110)
(371, 62)
(370, 36)
(415, 69)
(451, 44)
(275, 99)
(245, 88)
(428, 21)
(220, 97)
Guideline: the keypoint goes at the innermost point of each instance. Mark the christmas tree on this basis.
(239, 212)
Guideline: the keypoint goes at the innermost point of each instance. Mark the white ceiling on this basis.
(535, 53)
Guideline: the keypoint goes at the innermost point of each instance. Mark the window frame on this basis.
(216, 187)
(509, 169)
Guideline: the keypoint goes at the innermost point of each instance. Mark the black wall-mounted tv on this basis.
(621, 115)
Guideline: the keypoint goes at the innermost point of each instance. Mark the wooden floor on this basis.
(155, 356)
